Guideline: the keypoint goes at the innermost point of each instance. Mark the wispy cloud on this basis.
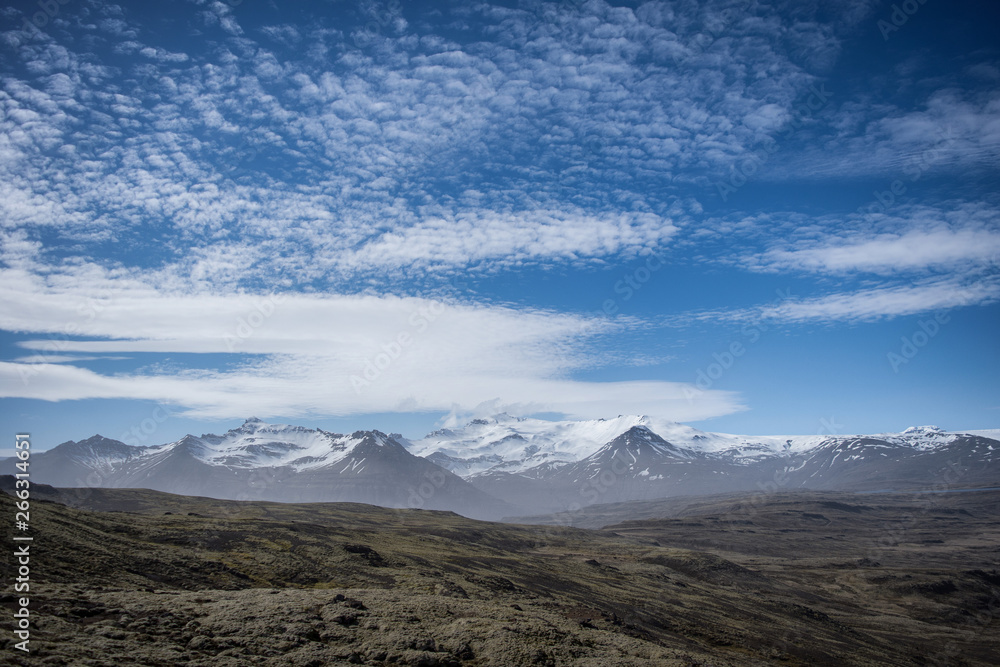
(954, 131)
(886, 302)
(865, 305)
(858, 266)
(61, 359)
(915, 250)
(304, 354)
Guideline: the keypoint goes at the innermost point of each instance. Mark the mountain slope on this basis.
(511, 444)
(892, 462)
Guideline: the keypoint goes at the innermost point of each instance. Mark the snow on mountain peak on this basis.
(641, 431)
(516, 445)
(498, 418)
(379, 438)
(259, 444)
(253, 425)
(923, 429)
(921, 437)
(501, 444)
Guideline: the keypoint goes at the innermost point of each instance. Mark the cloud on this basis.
(539, 137)
(880, 302)
(356, 163)
(955, 132)
(513, 238)
(915, 250)
(917, 258)
(323, 354)
(904, 238)
(61, 359)
(294, 393)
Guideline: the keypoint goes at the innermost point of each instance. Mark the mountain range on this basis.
(507, 466)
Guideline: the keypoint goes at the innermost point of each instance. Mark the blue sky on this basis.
(751, 217)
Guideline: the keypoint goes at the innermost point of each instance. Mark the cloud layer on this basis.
(536, 137)
(334, 355)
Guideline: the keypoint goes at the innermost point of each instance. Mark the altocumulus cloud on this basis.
(536, 139)
(156, 186)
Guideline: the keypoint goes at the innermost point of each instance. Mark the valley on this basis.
(794, 578)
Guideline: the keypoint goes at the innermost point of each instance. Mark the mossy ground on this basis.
(154, 579)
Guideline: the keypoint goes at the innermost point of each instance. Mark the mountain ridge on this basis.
(511, 466)
(260, 461)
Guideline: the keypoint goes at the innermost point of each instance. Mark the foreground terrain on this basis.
(140, 577)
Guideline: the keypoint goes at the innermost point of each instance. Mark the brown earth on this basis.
(791, 579)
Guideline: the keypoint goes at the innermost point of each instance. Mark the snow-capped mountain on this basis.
(257, 444)
(917, 459)
(260, 461)
(556, 465)
(517, 445)
(513, 444)
(634, 453)
(506, 466)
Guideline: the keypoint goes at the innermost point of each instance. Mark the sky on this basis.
(758, 218)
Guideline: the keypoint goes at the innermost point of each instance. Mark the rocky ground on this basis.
(128, 577)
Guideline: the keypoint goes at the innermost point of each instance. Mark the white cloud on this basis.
(882, 302)
(905, 251)
(513, 238)
(321, 164)
(61, 359)
(144, 192)
(336, 355)
(954, 133)
(951, 237)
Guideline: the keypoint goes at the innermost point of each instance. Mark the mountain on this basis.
(917, 457)
(516, 444)
(557, 466)
(260, 461)
(507, 466)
